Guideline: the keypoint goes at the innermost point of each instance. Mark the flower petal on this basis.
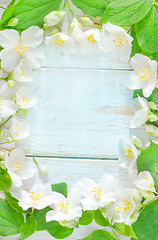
(32, 36)
(10, 59)
(9, 38)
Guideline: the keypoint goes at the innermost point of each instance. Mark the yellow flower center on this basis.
(1, 102)
(125, 205)
(97, 191)
(146, 178)
(25, 99)
(17, 165)
(143, 75)
(59, 41)
(118, 41)
(20, 131)
(35, 196)
(129, 154)
(64, 205)
(21, 49)
(91, 39)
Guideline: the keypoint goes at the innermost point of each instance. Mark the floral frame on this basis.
(42, 206)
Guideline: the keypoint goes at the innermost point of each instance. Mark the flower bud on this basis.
(152, 117)
(87, 21)
(152, 130)
(11, 83)
(2, 133)
(152, 105)
(116, 211)
(13, 22)
(2, 165)
(23, 112)
(105, 212)
(10, 140)
(54, 30)
(75, 31)
(53, 18)
(137, 142)
(1, 156)
(43, 170)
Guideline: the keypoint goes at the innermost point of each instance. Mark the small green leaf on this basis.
(13, 202)
(148, 161)
(147, 33)
(28, 228)
(99, 235)
(32, 12)
(146, 226)
(40, 216)
(5, 180)
(91, 7)
(60, 188)
(86, 218)
(135, 46)
(126, 13)
(124, 230)
(58, 231)
(10, 220)
(99, 219)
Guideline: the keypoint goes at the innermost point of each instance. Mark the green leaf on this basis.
(86, 218)
(147, 33)
(32, 12)
(124, 230)
(126, 13)
(99, 235)
(60, 188)
(58, 231)
(7, 14)
(5, 180)
(148, 161)
(99, 219)
(146, 226)
(135, 46)
(40, 216)
(13, 202)
(92, 7)
(28, 228)
(10, 220)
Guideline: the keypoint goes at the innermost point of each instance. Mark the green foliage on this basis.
(40, 216)
(124, 230)
(148, 161)
(135, 46)
(91, 7)
(10, 220)
(58, 231)
(5, 180)
(99, 235)
(86, 218)
(29, 227)
(146, 225)
(13, 202)
(60, 188)
(147, 33)
(99, 219)
(32, 12)
(126, 13)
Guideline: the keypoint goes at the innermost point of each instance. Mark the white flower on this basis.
(7, 108)
(21, 73)
(24, 99)
(3, 74)
(19, 129)
(54, 18)
(4, 90)
(39, 195)
(24, 47)
(116, 41)
(126, 205)
(75, 31)
(90, 41)
(97, 195)
(144, 76)
(145, 183)
(65, 209)
(59, 43)
(19, 168)
(128, 154)
(141, 115)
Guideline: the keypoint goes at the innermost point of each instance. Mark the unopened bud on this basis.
(11, 83)
(54, 18)
(23, 112)
(152, 105)
(152, 130)
(116, 211)
(54, 30)
(13, 22)
(137, 142)
(10, 140)
(1, 156)
(43, 170)
(87, 21)
(152, 117)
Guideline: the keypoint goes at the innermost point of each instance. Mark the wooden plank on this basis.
(79, 112)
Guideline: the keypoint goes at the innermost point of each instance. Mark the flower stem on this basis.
(3, 143)
(6, 121)
(114, 233)
(64, 5)
(68, 4)
(3, 7)
(35, 161)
